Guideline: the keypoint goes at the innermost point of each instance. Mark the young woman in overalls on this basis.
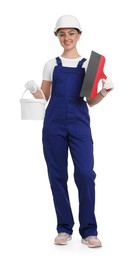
(67, 126)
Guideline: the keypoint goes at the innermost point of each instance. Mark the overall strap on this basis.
(58, 60)
(80, 63)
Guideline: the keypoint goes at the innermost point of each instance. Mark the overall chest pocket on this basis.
(67, 82)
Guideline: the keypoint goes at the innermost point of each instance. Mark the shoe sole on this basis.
(63, 243)
(89, 245)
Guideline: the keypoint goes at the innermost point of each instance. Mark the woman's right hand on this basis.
(31, 86)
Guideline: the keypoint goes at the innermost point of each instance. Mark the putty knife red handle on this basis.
(99, 75)
(94, 74)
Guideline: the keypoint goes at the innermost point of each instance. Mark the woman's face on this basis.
(68, 38)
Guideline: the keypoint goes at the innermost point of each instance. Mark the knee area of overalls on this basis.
(85, 176)
(58, 183)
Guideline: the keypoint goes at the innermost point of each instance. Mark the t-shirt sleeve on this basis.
(48, 70)
(46, 75)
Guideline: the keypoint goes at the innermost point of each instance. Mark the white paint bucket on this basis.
(32, 109)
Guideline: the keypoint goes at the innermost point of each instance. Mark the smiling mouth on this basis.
(67, 43)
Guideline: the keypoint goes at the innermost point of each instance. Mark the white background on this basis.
(27, 216)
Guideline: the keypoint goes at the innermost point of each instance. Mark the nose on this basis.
(66, 37)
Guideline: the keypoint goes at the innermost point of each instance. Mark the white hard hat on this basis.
(67, 21)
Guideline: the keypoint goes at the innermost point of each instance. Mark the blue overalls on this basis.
(67, 126)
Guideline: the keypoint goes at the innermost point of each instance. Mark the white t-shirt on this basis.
(50, 64)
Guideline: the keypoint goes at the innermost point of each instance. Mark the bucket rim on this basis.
(30, 100)
(35, 98)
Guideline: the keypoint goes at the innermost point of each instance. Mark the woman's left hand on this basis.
(107, 86)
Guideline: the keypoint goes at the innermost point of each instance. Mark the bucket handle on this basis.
(31, 93)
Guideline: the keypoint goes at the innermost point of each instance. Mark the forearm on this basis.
(37, 94)
(45, 88)
(94, 101)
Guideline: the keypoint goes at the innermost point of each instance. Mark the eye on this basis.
(61, 34)
(71, 33)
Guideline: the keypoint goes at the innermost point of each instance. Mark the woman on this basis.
(67, 126)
